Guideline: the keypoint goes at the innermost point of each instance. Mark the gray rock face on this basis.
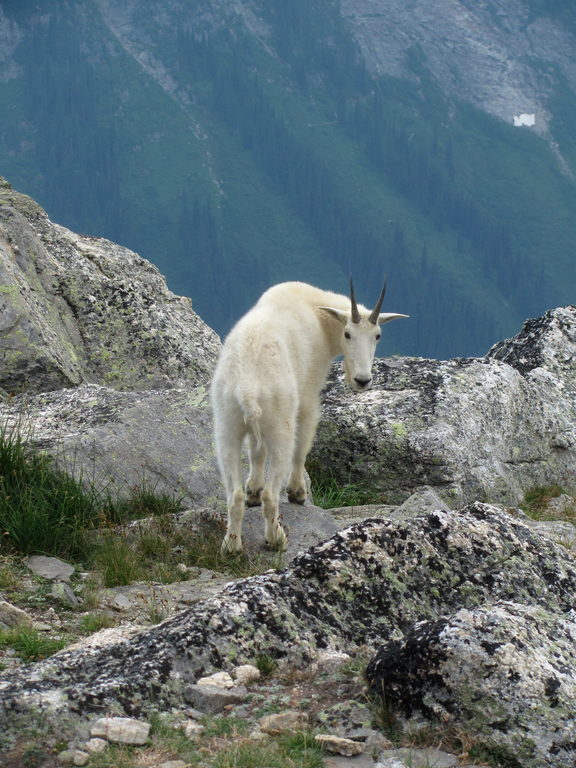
(496, 55)
(77, 309)
(369, 584)
(120, 440)
(486, 428)
(503, 672)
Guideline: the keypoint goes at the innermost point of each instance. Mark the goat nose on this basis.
(362, 382)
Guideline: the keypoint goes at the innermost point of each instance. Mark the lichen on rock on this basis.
(79, 309)
(371, 583)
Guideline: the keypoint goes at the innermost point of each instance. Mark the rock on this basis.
(347, 718)
(406, 757)
(49, 567)
(83, 310)
(212, 699)
(64, 594)
(423, 500)
(504, 672)
(125, 437)
(560, 531)
(490, 427)
(121, 730)
(246, 674)
(290, 720)
(12, 616)
(173, 764)
(306, 526)
(217, 680)
(329, 662)
(95, 746)
(561, 506)
(369, 585)
(339, 746)
(80, 757)
(193, 730)
(359, 761)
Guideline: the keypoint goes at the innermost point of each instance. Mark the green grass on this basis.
(94, 622)
(329, 493)
(30, 644)
(537, 499)
(42, 509)
(298, 750)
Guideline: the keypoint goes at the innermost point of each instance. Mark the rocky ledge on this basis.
(443, 595)
(471, 428)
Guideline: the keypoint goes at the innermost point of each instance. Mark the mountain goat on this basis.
(267, 386)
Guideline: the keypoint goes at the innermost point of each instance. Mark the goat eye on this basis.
(377, 336)
(347, 335)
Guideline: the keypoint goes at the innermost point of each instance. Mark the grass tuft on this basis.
(537, 499)
(329, 493)
(42, 509)
(30, 644)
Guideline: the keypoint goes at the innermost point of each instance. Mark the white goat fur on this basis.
(267, 386)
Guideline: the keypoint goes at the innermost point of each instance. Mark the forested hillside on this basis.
(236, 144)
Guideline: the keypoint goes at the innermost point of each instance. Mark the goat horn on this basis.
(376, 311)
(355, 312)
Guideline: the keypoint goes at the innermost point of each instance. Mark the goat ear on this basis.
(385, 317)
(339, 314)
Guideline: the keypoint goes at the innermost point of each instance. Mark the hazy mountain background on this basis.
(237, 143)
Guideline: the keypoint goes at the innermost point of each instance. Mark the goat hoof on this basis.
(231, 545)
(253, 498)
(296, 497)
(279, 543)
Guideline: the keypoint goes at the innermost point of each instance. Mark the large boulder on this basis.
(502, 673)
(486, 428)
(369, 584)
(161, 440)
(77, 309)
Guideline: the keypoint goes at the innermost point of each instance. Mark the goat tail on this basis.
(252, 417)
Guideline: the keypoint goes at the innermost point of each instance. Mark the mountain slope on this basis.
(239, 143)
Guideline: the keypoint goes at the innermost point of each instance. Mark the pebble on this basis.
(246, 674)
(121, 730)
(339, 746)
(283, 721)
(218, 680)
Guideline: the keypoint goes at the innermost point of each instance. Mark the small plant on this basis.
(116, 559)
(497, 755)
(94, 622)
(329, 493)
(386, 719)
(9, 582)
(143, 501)
(33, 756)
(42, 509)
(536, 499)
(29, 643)
(266, 664)
(223, 727)
(297, 750)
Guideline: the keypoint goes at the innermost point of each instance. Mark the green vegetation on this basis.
(266, 664)
(42, 509)
(29, 643)
(537, 499)
(329, 493)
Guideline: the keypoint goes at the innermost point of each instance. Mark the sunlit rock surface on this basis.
(471, 428)
(77, 309)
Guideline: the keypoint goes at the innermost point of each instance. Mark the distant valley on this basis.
(237, 143)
